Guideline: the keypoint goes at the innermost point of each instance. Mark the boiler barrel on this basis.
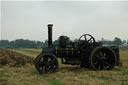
(67, 52)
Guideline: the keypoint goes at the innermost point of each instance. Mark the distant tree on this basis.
(45, 43)
(56, 42)
(12, 44)
(39, 44)
(107, 42)
(4, 43)
(102, 39)
(20, 43)
(117, 41)
(124, 41)
(76, 40)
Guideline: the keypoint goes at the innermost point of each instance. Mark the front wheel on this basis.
(46, 63)
(102, 58)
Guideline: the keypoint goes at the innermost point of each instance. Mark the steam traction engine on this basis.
(85, 52)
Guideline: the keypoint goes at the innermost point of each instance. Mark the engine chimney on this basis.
(50, 35)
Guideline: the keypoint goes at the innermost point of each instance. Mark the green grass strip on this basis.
(31, 51)
(52, 82)
(100, 77)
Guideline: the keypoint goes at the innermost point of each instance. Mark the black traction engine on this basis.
(85, 52)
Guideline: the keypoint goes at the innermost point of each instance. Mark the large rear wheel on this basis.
(102, 58)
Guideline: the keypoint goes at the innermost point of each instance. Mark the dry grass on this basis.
(20, 76)
(28, 51)
(11, 58)
(66, 75)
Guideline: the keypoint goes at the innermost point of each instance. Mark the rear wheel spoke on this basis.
(107, 64)
(95, 63)
(104, 67)
(97, 56)
(99, 67)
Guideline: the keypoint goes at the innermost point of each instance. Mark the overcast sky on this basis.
(29, 19)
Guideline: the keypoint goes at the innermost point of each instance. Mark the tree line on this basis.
(21, 43)
(117, 42)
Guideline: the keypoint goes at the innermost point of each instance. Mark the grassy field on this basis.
(28, 51)
(66, 74)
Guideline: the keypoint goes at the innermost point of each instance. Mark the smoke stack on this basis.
(50, 35)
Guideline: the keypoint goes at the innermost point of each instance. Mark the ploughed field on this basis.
(16, 68)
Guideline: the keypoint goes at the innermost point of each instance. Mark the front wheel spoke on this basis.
(47, 68)
(41, 63)
(45, 59)
(50, 68)
(50, 63)
(42, 69)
